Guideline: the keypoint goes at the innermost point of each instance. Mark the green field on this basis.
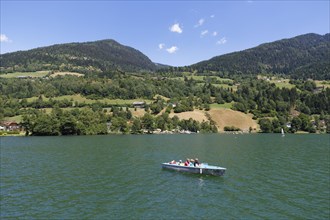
(25, 74)
(80, 99)
(17, 118)
(282, 83)
(217, 106)
(224, 81)
(279, 82)
(285, 83)
(321, 83)
(226, 86)
(202, 78)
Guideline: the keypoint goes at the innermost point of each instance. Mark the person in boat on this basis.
(196, 162)
(187, 162)
(173, 162)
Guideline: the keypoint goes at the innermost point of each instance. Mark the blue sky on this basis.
(177, 33)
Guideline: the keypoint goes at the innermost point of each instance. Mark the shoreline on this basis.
(162, 133)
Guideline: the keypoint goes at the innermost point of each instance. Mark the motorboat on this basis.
(202, 168)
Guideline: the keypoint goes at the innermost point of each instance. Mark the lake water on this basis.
(120, 177)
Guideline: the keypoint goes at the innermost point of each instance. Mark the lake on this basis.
(120, 177)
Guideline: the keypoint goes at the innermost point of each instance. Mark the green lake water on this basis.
(120, 177)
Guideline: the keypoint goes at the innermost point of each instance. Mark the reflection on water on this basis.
(201, 183)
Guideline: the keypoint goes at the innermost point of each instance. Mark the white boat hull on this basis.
(202, 169)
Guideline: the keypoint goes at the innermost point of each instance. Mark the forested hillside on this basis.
(89, 57)
(301, 57)
(302, 104)
(267, 84)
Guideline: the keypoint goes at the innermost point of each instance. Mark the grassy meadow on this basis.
(80, 99)
(25, 74)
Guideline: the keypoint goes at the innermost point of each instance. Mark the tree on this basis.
(91, 123)
(148, 122)
(305, 122)
(327, 122)
(296, 124)
(157, 106)
(175, 121)
(232, 128)
(28, 123)
(207, 107)
(136, 126)
(128, 114)
(119, 124)
(68, 124)
(265, 125)
(276, 125)
(240, 107)
(219, 99)
(161, 123)
(46, 125)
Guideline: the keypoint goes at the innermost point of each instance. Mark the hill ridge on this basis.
(303, 56)
(98, 56)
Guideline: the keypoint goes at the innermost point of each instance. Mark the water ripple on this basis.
(120, 177)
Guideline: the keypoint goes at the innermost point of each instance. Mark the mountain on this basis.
(162, 66)
(304, 56)
(97, 56)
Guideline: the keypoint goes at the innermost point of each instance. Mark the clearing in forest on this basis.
(227, 117)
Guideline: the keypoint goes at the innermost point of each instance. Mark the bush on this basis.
(231, 128)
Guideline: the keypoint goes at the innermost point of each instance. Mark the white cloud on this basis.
(214, 33)
(172, 49)
(222, 41)
(212, 16)
(204, 32)
(200, 22)
(161, 46)
(4, 38)
(176, 28)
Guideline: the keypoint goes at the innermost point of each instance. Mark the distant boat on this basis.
(282, 131)
(203, 168)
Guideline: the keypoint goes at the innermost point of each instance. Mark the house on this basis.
(10, 126)
(288, 125)
(138, 104)
(172, 104)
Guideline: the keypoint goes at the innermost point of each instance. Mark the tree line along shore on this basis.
(271, 102)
